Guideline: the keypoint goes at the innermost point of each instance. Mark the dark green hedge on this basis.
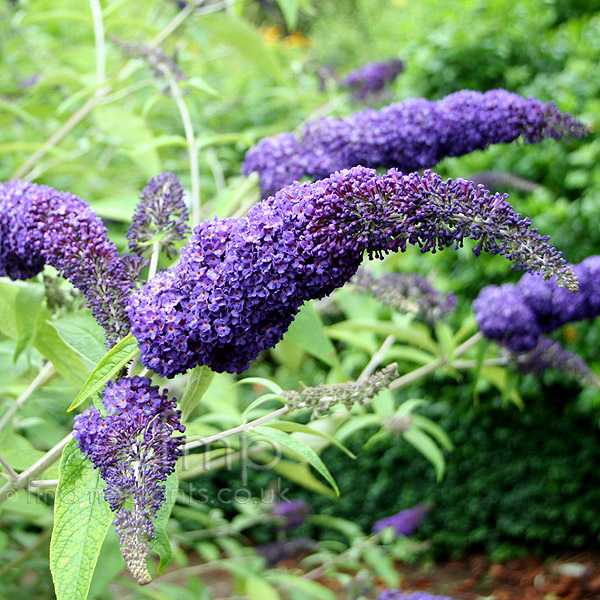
(517, 483)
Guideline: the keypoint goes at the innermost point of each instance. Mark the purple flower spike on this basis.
(400, 595)
(240, 282)
(294, 513)
(408, 135)
(39, 225)
(371, 79)
(161, 215)
(135, 448)
(406, 521)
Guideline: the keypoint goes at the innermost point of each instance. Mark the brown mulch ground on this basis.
(575, 577)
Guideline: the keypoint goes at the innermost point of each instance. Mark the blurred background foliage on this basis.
(521, 478)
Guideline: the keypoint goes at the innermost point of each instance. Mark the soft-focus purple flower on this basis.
(39, 225)
(293, 513)
(160, 215)
(408, 135)
(371, 79)
(548, 354)
(240, 282)
(400, 595)
(406, 292)
(406, 521)
(516, 315)
(135, 448)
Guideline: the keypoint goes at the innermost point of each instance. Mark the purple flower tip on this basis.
(406, 521)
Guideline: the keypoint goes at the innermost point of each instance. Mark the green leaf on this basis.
(81, 333)
(64, 359)
(199, 381)
(270, 385)
(427, 447)
(434, 430)
(292, 427)
(8, 298)
(297, 447)
(312, 589)
(412, 333)
(356, 424)
(114, 360)
(28, 304)
(237, 34)
(301, 474)
(20, 453)
(259, 589)
(307, 331)
(161, 544)
(128, 131)
(262, 400)
(350, 529)
(505, 382)
(81, 521)
(409, 405)
(290, 9)
(445, 337)
(382, 565)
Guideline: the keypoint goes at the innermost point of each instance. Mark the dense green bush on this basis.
(517, 482)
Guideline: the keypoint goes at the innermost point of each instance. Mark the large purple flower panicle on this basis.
(406, 522)
(408, 135)
(516, 316)
(372, 78)
(400, 595)
(135, 447)
(161, 215)
(39, 225)
(240, 282)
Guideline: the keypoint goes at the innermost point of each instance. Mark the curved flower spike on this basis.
(409, 135)
(39, 225)
(240, 282)
(135, 449)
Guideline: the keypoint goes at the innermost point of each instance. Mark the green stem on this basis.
(190, 137)
(99, 40)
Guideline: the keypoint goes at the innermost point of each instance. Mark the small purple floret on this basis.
(406, 521)
(294, 513)
(372, 78)
(400, 595)
(160, 215)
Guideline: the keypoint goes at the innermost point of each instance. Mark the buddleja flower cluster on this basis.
(240, 282)
(39, 225)
(371, 79)
(323, 397)
(517, 315)
(160, 216)
(408, 135)
(406, 292)
(135, 448)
